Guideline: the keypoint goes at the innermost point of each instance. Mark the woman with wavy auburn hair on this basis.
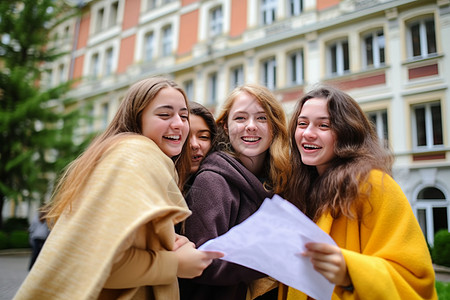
(230, 185)
(114, 210)
(341, 180)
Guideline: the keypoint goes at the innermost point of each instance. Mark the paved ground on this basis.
(14, 269)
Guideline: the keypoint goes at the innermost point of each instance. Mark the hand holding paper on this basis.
(271, 241)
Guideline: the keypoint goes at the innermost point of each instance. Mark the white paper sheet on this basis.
(271, 241)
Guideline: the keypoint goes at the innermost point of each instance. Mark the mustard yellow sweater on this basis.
(116, 241)
(386, 253)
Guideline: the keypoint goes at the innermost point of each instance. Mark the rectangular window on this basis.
(269, 75)
(151, 4)
(105, 108)
(295, 7)
(236, 76)
(113, 13)
(422, 38)
(61, 72)
(373, 49)
(99, 21)
(427, 125)
(339, 60)
(216, 18)
(189, 89)
(268, 11)
(212, 89)
(379, 120)
(148, 46)
(295, 68)
(95, 61)
(109, 62)
(167, 41)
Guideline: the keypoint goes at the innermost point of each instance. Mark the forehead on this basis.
(169, 97)
(245, 102)
(316, 106)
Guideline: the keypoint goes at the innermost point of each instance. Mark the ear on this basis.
(225, 127)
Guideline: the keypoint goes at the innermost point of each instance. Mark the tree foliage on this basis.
(37, 125)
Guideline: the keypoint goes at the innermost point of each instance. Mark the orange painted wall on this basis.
(126, 55)
(131, 13)
(83, 33)
(188, 32)
(323, 4)
(78, 68)
(187, 2)
(238, 17)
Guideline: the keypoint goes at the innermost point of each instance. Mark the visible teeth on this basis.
(251, 139)
(172, 137)
(311, 146)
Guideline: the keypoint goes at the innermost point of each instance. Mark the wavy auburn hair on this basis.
(128, 120)
(278, 167)
(357, 151)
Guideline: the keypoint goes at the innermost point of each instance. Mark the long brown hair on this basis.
(126, 121)
(358, 150)
(278, 168)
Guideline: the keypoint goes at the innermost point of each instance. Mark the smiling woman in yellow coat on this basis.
(342, 181)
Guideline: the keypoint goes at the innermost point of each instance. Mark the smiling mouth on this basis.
(172, 137)
(197, 157)
(311, 147)
(251, 139)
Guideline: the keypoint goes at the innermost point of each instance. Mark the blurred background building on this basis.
(390, 55)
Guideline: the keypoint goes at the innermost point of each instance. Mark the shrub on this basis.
(3, 240)
(19, 239)
(443, 290)
(441, 250)
(12, 224)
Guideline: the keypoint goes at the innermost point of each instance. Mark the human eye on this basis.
(262, 118)
(239, 118)
(184, 116)
(301, 123)
(204, 137)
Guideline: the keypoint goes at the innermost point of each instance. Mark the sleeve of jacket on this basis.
(394, 262)
(214, 203)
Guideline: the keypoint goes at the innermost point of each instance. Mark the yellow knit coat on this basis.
(386, 253)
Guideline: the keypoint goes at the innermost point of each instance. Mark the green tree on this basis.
(37, 125)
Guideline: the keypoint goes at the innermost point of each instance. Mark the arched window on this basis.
(432, 211)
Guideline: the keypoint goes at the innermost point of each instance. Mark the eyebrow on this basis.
(169, 107)
(320, 118)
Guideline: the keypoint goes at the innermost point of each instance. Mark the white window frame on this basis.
(269, 73)
(428, 125)
(340, 57)
(295, 7)
(149, 46)
(188, 87)
(216, 21)
(95, 65)
(382, 130)
(268, 11)
(109, 61)
(212, 89)
(378, 49)
(236, 76)
(422, 38)
(295, 67)
(166, 45)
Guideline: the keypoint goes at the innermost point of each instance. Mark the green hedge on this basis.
(441, 249)
(3, 240)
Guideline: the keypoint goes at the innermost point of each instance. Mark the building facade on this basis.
(392, 56)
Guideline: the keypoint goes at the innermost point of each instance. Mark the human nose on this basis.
(309, 132)
(194, 143)
(177, 122)
(251, 125)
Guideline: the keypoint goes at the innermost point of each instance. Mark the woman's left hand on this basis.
(328, 261)
(180, 240)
